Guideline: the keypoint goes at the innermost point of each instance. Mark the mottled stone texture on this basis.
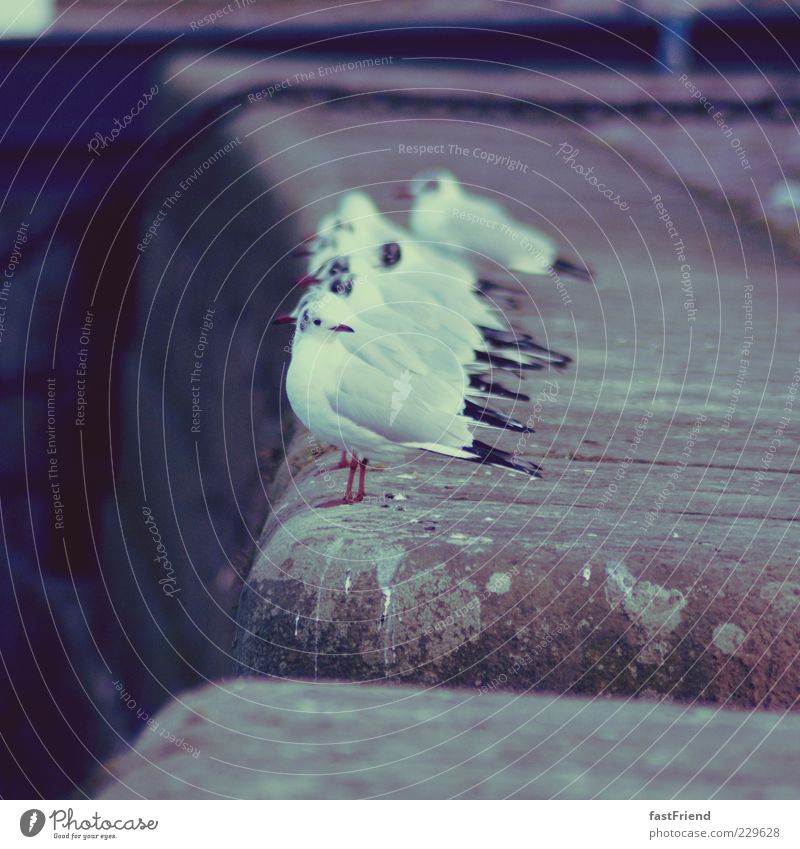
(655, 556)
(260, 740)
(438, 587)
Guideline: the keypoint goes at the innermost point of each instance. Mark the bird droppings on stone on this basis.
(728, 637)
(784, 596)
(586, 574)
(464, 539)
(655, 608)
(500, 582)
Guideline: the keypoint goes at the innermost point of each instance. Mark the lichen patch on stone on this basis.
(655, 608)
(728, 637)
(464, 539)
(500, 582)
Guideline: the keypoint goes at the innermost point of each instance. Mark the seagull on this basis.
(358, 223)
(451, 310)
(406, 270)
(470, 224)
(419, 346)
(373, 399)
(333, 236)
(356, 218)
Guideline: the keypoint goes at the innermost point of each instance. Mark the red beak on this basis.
(307, 280)
(343, 328)
(284, 319)
(403, 194)
(302, 252)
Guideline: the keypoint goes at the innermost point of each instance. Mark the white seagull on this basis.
(449, 309)
(444, 211)
(358, 224)
(422, 347)
(375, 399)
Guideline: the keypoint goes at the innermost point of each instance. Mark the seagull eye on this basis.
(390, 254)
(430, 186)
(339, 287)
(318, 321)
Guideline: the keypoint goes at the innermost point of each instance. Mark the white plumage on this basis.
(477, 226)
(395, 347)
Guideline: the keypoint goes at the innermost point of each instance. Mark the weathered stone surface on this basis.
(666, 511)
(260, 740)
(433, 586)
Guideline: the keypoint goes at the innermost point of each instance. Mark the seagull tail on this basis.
(493, 418)
(564, 266)
(484, 286)
(483, 453)
(480, 452)
(509, 341)
(486, 389)
(515, 363)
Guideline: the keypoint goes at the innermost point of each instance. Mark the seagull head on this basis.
(294, 315)
(381, 257)
(330, 270)
(357, 210)
(316, 315)
(389, 254)
(430, 183)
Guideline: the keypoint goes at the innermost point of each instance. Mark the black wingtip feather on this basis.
(497, 390)
(564, 266)
(496, 457)
(496, 361)
(510, 340)
(494, 418)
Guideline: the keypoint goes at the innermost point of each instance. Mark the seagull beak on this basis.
(342, 328)
(403, 194)
(300, 252)
(307, 280)
(284, 319)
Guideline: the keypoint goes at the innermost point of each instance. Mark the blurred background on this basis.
(79, 621)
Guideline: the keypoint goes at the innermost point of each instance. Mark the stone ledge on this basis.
(700, 602)
(259, 740)
(487, 580)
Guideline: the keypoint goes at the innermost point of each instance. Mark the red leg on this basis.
(362, 477)
(343, 463)
(348, 493)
